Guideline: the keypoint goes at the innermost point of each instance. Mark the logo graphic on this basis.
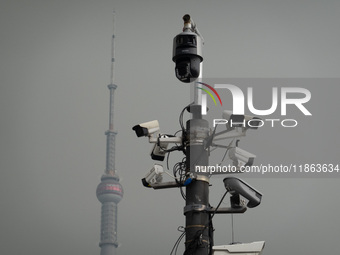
(285, 96)
(204, 97)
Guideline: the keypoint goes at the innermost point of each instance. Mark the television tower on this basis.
(109, 191)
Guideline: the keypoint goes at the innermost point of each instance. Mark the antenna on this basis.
(113, 48)
(112, 86)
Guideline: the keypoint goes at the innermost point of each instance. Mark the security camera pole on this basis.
(194, 142)
(187, 55)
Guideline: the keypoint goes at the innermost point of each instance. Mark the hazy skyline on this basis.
(54, 101)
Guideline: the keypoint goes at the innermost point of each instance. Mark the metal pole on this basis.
(197, 193)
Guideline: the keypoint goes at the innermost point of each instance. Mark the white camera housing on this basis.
(146, 128)
(254, 248)
(159, 150)
(154, 176)
(241, 157)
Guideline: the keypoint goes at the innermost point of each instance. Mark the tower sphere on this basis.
(109, 190)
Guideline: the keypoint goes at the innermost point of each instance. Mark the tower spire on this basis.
(109, 191)
(113, 48)
(110, 148)
(112, 87)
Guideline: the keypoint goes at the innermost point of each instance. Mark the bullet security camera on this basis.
(154, 176)
(237, 186)
(187, 54)
(146, 128)
(241, 157)
(159, 150)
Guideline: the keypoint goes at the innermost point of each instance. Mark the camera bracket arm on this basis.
(165, 140)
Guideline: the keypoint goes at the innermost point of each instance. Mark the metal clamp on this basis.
(203, 178)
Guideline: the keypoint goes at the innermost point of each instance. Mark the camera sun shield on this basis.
(238, 186)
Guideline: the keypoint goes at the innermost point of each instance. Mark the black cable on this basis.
(209, 139)
(225, 154)
(177, 132)
(182, 193)
(181, 117)
(183, 169)
(219, 204)
(211, 235)
(179, 168)
(184, 133)
(179, 241)
(176, 245)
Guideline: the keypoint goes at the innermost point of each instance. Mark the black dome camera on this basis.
(187, 54)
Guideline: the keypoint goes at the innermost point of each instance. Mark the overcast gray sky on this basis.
(54, 69)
